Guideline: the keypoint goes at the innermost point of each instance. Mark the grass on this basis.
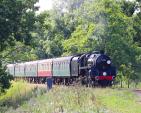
(18, 93)
(62, 99)
(81, 100)
(121, 101)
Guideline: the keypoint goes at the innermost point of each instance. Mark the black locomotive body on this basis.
(97, 68)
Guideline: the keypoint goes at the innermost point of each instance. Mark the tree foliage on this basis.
(17, 18)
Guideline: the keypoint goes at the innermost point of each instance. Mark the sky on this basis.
(48, 4)
(45, 5)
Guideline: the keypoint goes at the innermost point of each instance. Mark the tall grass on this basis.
(62, 99)
(16, 95)
(119, 100)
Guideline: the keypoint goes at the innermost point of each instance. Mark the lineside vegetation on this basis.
(75, 99)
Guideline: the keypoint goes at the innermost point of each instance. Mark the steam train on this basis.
(94, 68)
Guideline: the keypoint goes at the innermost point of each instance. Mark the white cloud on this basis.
(44, 5)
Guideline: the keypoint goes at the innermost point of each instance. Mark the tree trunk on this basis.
(121, 83)
(128, 83)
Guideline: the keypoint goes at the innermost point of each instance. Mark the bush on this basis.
(5, 78)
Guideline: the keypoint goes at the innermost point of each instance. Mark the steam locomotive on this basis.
(94, 68)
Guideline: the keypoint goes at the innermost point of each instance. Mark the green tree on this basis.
(19, 53)
(16, 24)
(80, 41)
(128, 72)
(50, 33)
(4, 78)
(132, 9)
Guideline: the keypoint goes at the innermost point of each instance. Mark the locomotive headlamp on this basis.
(108, 62)
(104, 73)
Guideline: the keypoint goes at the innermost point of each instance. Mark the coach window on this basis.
(30, 67)
(44, 66)
(68, 63)
(18, 69)
(57, 65)
(54, 65)
(62, 65)
(40, 66)
(21, 68)
(47, 66)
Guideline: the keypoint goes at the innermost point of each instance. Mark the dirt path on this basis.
(138, 93)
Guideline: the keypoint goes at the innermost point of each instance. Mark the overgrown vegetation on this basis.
(81, 100)
(16, 24)
(18, 93)
(4, 79)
